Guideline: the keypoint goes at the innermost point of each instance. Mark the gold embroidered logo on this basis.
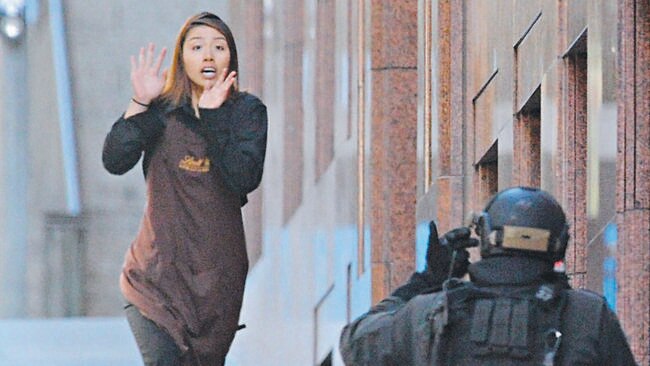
(192, 164)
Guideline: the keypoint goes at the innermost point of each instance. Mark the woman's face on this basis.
(205, 55)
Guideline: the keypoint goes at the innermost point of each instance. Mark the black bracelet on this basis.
(140, 103)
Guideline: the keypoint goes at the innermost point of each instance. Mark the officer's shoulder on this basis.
(427, 297)
(422, 302)
(585, 294)
(457, 289)
(585, 301)
(420, 307)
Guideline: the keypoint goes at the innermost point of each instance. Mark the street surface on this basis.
(67, 342)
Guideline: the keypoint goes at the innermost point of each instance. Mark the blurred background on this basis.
(383, 115)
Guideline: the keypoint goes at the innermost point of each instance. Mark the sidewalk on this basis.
(67, 342)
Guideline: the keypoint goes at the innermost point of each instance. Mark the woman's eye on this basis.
(196, 47)
(221, 48)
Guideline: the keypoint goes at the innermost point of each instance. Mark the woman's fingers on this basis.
(228, 81)
(146, 79)
(231, 78)
(216, 91)
(160, 59)
(149, 57)
(225, 78)
(141, 57)
(145, 61)
(222, 77)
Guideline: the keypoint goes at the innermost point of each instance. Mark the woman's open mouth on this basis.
(209, 72)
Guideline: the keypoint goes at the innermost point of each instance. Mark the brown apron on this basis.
(187, 266)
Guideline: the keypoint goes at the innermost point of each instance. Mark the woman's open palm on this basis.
(216, 91)
(146, 79)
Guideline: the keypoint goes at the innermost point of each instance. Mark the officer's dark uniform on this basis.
(516, 310)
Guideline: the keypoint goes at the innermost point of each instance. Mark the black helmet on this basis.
(523, 221)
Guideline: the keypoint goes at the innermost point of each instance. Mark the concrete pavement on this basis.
(67, 342)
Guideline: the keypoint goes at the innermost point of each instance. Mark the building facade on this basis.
(408, 111)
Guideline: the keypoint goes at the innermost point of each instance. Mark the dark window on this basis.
(487, 171)
(527, 143)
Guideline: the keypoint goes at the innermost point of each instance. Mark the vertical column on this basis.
(294, 114)
(362, 161)
(250, 41)
(325, 85)
(393, 180)
(633, 175)
(576, 162)
(14, 163)
(451, 114)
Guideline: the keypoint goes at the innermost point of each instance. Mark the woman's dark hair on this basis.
(178, 85)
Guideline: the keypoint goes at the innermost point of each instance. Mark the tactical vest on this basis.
(483, 326)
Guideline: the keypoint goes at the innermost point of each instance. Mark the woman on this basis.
(204, 144)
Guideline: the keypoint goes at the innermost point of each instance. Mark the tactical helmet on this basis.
(523, 221)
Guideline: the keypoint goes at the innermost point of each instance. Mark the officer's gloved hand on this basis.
(419, 283)
(440, 252)
(438, 259)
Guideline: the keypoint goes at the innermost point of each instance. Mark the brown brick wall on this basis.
(451, 115)
(393, 30)
(466, 60)
(576, 163)
(633, 176)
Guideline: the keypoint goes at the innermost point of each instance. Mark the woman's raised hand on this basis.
(146, 79)
(216, 92)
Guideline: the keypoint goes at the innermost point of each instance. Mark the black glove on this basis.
(440, 252)
(439, 256)
(419, 283)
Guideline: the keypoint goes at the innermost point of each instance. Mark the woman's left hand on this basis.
(216, 92)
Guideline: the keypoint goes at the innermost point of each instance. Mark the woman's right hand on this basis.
(146, 79)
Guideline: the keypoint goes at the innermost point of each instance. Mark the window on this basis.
(527, 148)
(487, 172)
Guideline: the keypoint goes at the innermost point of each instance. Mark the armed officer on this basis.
(515, 310)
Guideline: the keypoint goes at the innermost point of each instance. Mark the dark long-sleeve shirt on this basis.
(235, 134)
